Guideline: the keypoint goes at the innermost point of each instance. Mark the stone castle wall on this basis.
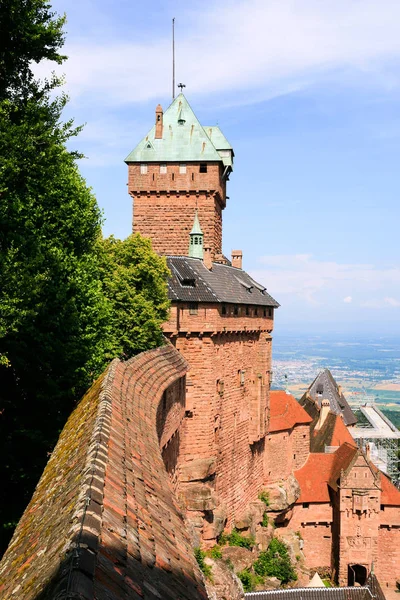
(104, 521)
(164, 205)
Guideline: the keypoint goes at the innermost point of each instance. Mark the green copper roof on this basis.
(196, 239)
(196, 229)
(182, 141)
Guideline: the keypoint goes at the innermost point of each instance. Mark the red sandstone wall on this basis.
(286, 451)
(164, 205)
(387, 568)
(278, 456)
(301, 445)
(210, 319)
(315, 527)
(227, 416)
(358, 531)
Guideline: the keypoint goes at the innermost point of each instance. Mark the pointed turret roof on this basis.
(183, 139)
(196, 229)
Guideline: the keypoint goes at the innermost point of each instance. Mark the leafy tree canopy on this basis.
(69, 301)
(134, 280)
(29, 32)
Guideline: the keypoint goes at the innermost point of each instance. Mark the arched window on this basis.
(196, 240)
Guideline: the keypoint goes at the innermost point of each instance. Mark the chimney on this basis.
(159, 122)
(237, 258)
(323, 413)
(207, 258)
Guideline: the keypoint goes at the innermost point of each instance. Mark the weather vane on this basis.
(181, 85)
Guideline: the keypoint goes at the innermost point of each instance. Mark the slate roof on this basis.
(285, 412)
(191, 281)
(103, 522)
(370, 590)
(325, 387)
(184, 141)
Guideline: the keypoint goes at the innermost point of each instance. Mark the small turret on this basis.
(196, 239)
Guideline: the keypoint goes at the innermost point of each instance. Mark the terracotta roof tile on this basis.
(322, 470)
(332, 433)
(285, 412)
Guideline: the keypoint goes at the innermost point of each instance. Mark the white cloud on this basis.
(256, 49)
(392, 302)
(301, 277)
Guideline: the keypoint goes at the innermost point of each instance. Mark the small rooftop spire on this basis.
(196, 239)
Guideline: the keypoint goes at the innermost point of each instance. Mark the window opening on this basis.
(143, 169)
(182, 169)
(247, 311)
(193, 308)
(203, 167)
(163, 169)
(223, 310)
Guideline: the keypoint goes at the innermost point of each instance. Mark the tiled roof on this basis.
(313, 478)
(191, 281)
(390, 495)
(325, 387)
(182, 141)
(371, 589)
(285, 412)
(332, 433)
(322, 470)
(103, 522)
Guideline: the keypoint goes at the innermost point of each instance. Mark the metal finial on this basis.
(181, 85)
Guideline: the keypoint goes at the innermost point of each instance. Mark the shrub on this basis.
(264, 497)
(275, 562)
(249, 580)
(206, 569)
(265, 520)
(237, 539)
(214, 552)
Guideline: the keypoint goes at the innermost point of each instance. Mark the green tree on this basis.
(29, 32)
(275, 562)
(135, 283)
(53, 314)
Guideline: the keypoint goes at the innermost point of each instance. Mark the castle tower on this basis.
(178, 166)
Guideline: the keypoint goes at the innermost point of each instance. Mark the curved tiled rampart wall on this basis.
(103, 522)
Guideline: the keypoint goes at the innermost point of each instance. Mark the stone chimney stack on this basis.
(323, 413)
(207, 258)
(159, 122)
(237, 256)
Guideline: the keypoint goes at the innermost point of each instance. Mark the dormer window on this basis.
(203, 167)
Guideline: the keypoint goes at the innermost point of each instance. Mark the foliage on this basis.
(134, 281)
(215, 552)
(249, 580)
(265, 520)
(206, 569)
(29, 32)
(275, 562)
(236, 539)
(264, 497)
(69, 301)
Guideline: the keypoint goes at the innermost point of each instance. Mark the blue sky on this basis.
(307, 92)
